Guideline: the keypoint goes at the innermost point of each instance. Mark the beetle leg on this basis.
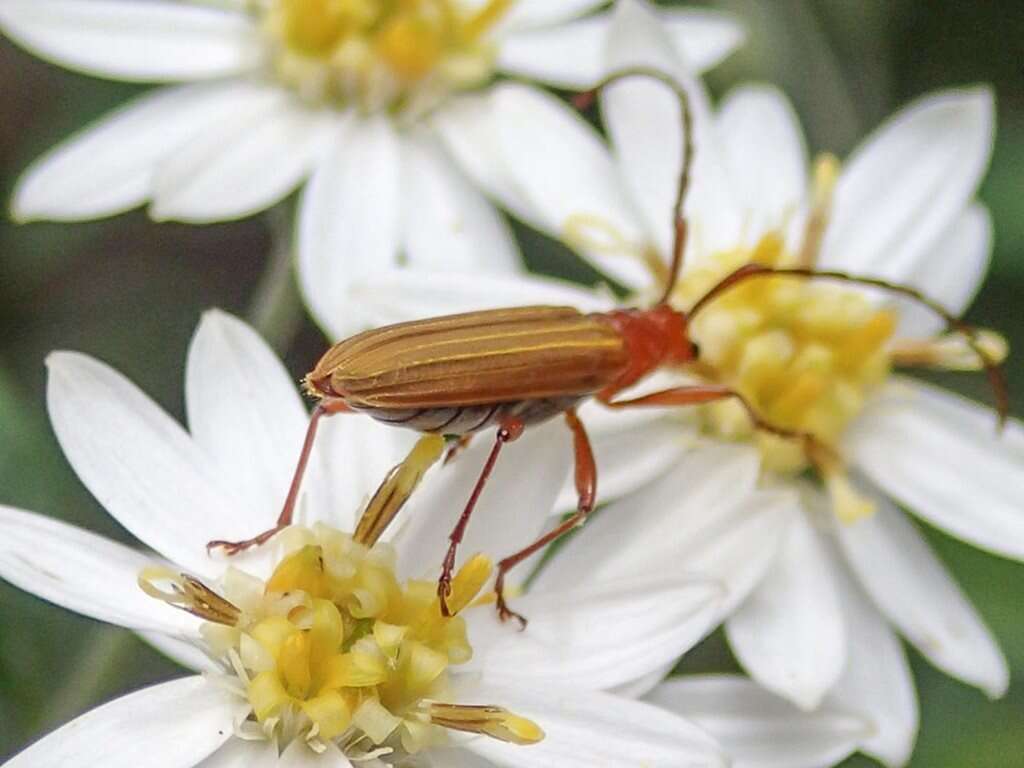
(510, 429)
(326, 407)
(700, 394)
(586, 493)
(458, 446)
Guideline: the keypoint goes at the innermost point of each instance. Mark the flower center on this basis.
(332, 648)
(381, 54)
(804, 353)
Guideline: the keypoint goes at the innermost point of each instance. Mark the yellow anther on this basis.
(188, 594)
(592, 233)
(496, 722)
(375, 720)
(267, 695)
(302, 570)
(485, 19)
(826, 174)
(293, 660)
(331, 712)
(397, 487)
(355, 670)
(468, 582)
(411, 46)
(951, 352)
(848, 504)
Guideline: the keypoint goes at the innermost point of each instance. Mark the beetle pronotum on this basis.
(512, 368)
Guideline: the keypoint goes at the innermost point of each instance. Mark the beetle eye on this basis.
(694, 350)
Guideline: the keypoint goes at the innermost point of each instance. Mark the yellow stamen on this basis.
(188, 594)
(496, 722)
(397, 487)
(469, 581)
(826, 173)
(951, 352)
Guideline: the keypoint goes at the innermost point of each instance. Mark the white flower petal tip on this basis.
(124, 39)
(790, 634)
(912, 587)
(166, 726)
(941, 456)
(644, 624)
(758, 729)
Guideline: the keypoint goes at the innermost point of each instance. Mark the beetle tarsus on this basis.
(231, 548)
(504, 612)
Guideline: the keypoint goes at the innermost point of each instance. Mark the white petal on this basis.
(595, 635)
(720, 528)
(167, 726)
(912, 587)
(757, 729)
(876, 683)
(570, 55)
(649, 150)
(398, 295)
(763, 148)
(469, 127)
(349, 218)
(941, 456)
(789, 633)
(82, 572)
(702, 37)
(564, 171)
(298, 754)
(950, 271)
(512, 510)
(245, 164)
(909, 182)
(188, 653)
(139, 463)
(109, 167)
(448, 224)
(629, 459)
(128, 40)
(244, 411)
(241, 753)
(587, 729)
(528, 14)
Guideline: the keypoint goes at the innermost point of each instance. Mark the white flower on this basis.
(361, 100)
(812, 356)
(175, 490)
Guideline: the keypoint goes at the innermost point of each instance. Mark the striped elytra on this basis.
(503, 356)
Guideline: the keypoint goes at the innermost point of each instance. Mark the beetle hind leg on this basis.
(510, 429)
(586, 493)
(326, 407)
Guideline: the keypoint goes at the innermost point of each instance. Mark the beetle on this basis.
(510, 369)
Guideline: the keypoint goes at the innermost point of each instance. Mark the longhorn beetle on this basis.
(513, 368)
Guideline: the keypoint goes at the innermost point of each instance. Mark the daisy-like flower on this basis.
(360, 97)
(815, 356)
(320, 649)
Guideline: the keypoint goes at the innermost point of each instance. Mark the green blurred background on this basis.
(130, 292)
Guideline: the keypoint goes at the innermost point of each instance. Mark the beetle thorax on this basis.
(654, 337)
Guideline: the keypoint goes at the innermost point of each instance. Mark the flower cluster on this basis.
(769, 507)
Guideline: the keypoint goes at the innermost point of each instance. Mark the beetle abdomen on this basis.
(466, 419)
(504, 356)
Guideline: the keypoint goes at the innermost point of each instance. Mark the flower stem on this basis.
(276, 308)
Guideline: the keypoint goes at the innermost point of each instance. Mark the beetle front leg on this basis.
(586, 494)
(701, 394)
(326, 407)
(509, 430)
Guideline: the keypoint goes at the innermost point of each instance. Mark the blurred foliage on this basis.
(130, 292)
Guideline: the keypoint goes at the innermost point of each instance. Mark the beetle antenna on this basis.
(586, 98)
(993, 367)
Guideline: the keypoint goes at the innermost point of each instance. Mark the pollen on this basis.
(805, 354)
(381, 54)
(334, 648)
